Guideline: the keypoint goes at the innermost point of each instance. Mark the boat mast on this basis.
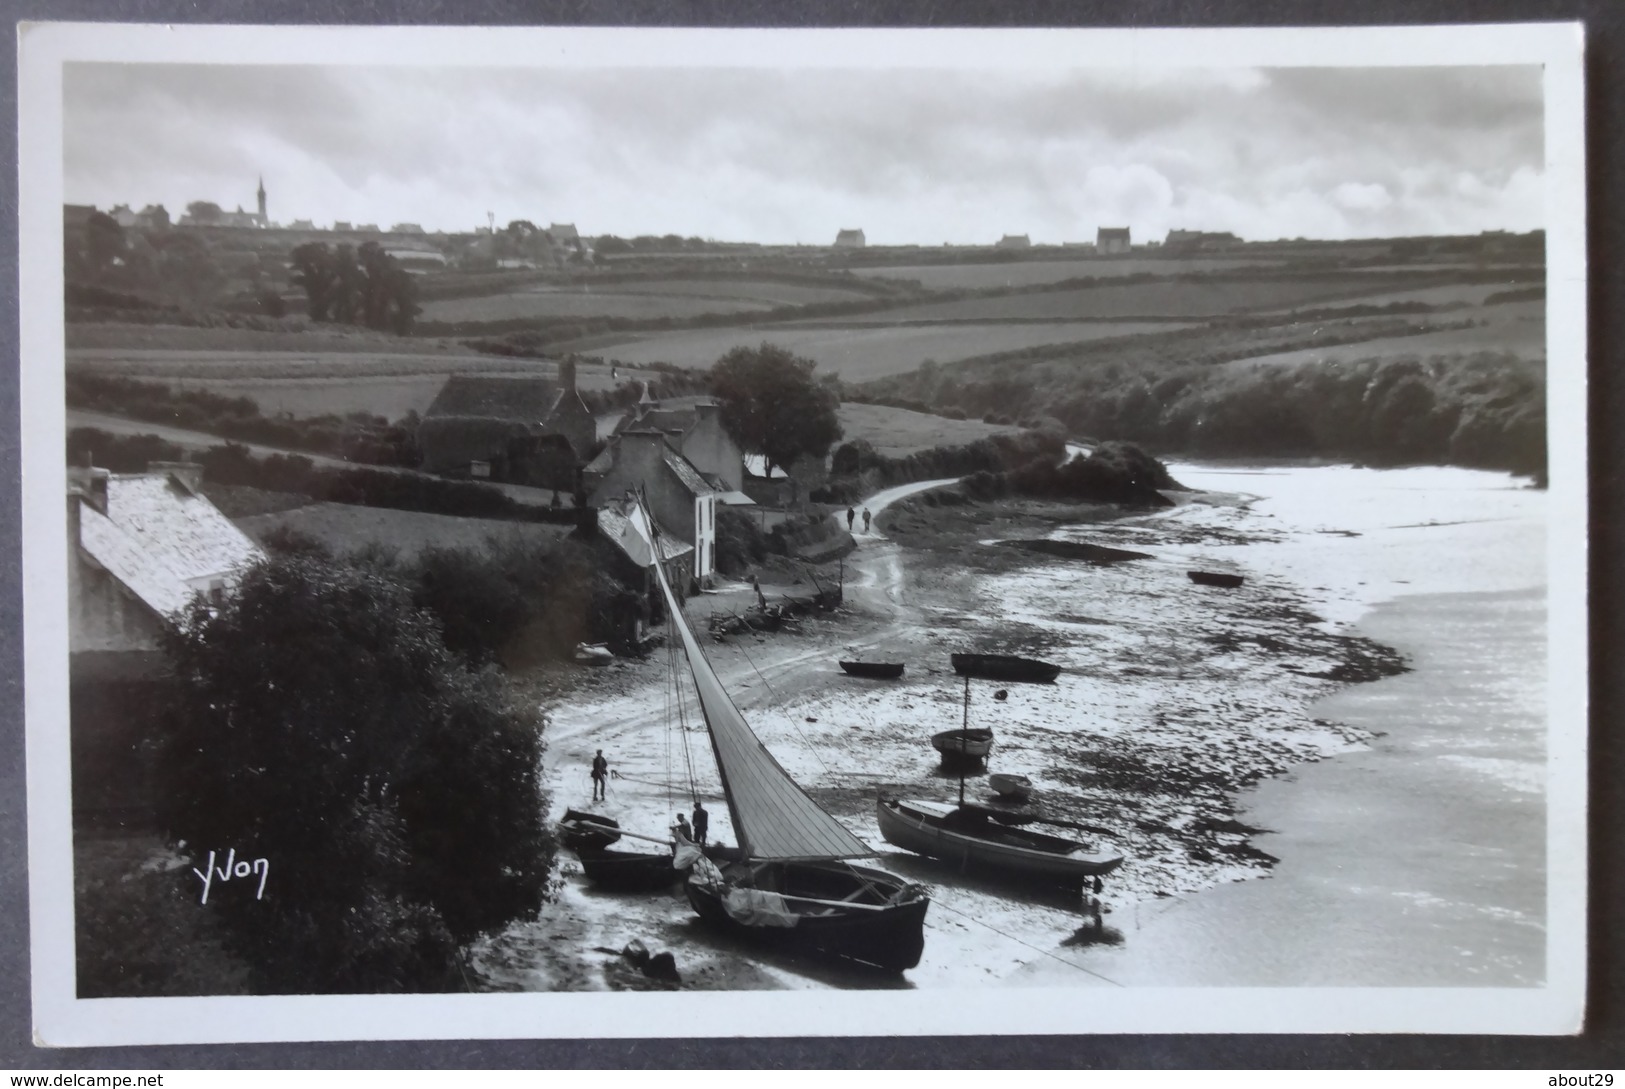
(964, 740)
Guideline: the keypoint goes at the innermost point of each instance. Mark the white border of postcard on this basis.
(61, 1019)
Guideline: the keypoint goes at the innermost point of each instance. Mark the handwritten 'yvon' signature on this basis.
(233, 868)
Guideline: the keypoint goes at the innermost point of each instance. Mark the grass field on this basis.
(579, 304)
(316, 384)
(1442, 295)
(1516, 328)
(896, 432)
(343, 528)
(124, 336)
(770, 292)
(860, 353)
(1034, 273)
(1156, 299)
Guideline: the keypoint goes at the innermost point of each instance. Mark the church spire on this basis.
(264, 222)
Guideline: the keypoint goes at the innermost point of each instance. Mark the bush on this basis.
(318, 721)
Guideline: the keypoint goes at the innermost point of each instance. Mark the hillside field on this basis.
(896, 432)
(980, 277)
(858, 353)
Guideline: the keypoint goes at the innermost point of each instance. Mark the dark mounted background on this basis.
(1600, 1047)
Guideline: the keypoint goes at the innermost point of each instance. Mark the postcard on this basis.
(593, 533)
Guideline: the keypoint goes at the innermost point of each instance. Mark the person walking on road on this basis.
(866, 519)
(851, 516)
(600, 777)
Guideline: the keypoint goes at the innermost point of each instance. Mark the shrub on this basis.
(317, 720)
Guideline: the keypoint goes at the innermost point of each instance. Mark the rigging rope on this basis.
(774, 696)
(1029, 945)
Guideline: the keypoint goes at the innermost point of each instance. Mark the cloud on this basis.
(770, 155)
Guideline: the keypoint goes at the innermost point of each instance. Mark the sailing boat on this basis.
(792, 885)
(978, 835)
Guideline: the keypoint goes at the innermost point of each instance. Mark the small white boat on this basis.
(1015, 787)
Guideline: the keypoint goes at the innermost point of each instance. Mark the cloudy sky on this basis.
(918, 156)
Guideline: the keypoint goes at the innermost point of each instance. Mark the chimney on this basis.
(188, 474)
(567, 375)
(91, 484)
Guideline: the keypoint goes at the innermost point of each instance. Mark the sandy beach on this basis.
(1220, 736)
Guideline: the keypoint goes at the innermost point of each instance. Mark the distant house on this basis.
(406, 228)
(343, 225)
(851, 239)
(1194, 241)
(1112, 240)
(124, 216)
(683, 502)
(76, 216)
(783, 486)
(302, 225)
(154, 217)
(141, 547)
(1013, 242)
(520, 430)
(415, 259)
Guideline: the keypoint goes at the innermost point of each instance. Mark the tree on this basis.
(773, 406)
(318, 721)
(314, 270)
(188, 269)
(204, 211)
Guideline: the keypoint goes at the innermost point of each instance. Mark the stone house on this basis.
(518, 430)
(682, 501)
(1112, 240)
(141, 547)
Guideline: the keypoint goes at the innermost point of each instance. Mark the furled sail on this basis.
(773, 817)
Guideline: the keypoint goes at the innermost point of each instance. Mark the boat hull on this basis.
(884, 671)
(628, 871)
(887, 939)
(1003, 667)
(924, 833)
(1216, 578)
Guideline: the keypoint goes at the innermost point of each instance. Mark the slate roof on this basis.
(529, 400)
(633, 541)
(157, 537)
(688, 476)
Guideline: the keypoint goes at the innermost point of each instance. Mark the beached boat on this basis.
(1216, 578)
(578, 828)
(793, 885)
(976, 836)
(879, 670)
(1015, 787)
(968, 745)
(1003, 667)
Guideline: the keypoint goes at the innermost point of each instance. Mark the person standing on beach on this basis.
(702, 822)
(866, 518)
(600, 777)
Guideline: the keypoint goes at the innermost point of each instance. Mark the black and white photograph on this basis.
(592, 533)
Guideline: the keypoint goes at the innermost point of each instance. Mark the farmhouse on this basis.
(682, 501)
(1112, 240)
(1013, 242)
(141, 547)
(850, 239)
(520, 430)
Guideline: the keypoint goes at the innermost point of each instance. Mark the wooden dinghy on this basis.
(1004, 667)
(975, 836)
(1015, 787)
(970, 745)
(1216, 578)
(885, 671)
